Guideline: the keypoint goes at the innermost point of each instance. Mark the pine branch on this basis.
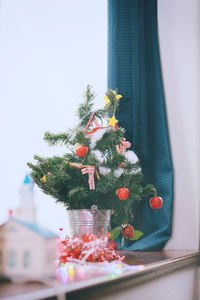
(77, 197)
(54, 139)
(113, 105)
(101, 114)
(85, 109)
(149, 189)
(110, 139)
(38, 158)
(80, 138)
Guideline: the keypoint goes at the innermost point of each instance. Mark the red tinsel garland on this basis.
(87, 248)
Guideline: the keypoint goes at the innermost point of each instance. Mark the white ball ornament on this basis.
(131, 156)
(118, 172)
(98, 155)
(104, 171)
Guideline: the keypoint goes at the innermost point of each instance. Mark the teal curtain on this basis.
(134, 70)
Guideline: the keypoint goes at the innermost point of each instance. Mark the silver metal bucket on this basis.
(82, 221)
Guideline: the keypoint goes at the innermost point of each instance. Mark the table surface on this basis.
(148, 261)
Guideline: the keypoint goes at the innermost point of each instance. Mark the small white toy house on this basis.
(26, 248)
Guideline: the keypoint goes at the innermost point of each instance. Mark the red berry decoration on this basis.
(123, 193)
(156, 202)
(128, 232)
(82, 151)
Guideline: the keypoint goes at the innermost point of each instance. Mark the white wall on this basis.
(50, 50)
(179, 33)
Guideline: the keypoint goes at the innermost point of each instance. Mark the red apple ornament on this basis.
(82, 151)
(128, 232)
(123, 193)
(156, 202)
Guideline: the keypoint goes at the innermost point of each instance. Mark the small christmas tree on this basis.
(97, 169)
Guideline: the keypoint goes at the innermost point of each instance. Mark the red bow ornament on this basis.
(124, 145)
(90, 171)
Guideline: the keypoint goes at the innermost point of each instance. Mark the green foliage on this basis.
(110, 139)
(149, 189)
(112, 107)
(80, 138)
(54, 139)
(137, 235)
(78, 196)
(85, 109)
(61, 177)
(115, 232)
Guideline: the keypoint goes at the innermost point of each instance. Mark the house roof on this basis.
(28, 181)
(40, 230)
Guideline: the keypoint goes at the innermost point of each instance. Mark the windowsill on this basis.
(152, 265)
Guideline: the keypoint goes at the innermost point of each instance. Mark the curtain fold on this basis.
(134, 70)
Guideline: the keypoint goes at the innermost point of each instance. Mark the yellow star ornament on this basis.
(44, 179)
(107, 100)
(112, 121)
(118, 97)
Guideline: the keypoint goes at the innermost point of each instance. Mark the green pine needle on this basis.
(55, 139)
